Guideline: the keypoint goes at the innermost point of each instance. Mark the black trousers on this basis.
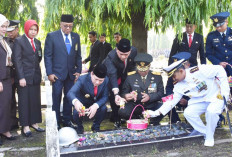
(14, 119)
(127, 111)
(114, 114)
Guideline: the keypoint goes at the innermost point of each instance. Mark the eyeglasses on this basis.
(3, 26)
(68, 26)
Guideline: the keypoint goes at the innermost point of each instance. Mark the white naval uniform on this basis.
(203, 99)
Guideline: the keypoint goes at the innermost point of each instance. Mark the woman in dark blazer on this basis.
(27, 54)
(5, 82)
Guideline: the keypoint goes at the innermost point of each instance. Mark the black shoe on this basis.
(221, 119)
(117, 125)
(95, 129)
(70, 124)
(80, 130)
(58, 127)
(38, 129)
(11, 138)
(1, 143)
(27, 134)
(14, 127)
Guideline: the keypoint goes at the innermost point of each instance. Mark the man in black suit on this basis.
(96, 51)
(192, 42)
(107, 46)
(119, 62)
(117, 37)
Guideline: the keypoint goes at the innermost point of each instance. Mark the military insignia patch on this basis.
(142, 64)
(194, 69)
(87, 96)
(202, 86)
(76, 47)
(215, 20)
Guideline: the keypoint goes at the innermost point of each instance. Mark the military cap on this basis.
(173, 67)
(67, 18)
(143, 61)
(181, 55)
(13, 24)
(100, 70)
(124, 45)
(219, 18)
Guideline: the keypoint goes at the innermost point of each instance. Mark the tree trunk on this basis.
(139, 31)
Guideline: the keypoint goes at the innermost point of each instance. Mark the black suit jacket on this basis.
(183, 46)
(4, 71)
(107, 49)
(27, 61)
(95, 55)
(115, 67)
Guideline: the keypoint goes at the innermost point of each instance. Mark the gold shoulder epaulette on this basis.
(156, 73)
(83, 74)
(131, 73)
(194, 69)
(175, 82)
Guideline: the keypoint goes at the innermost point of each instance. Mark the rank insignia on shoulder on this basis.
(194, 69)
(131, 73)
(156, 73)
(175, 82)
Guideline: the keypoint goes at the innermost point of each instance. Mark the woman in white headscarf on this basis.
(5, 82)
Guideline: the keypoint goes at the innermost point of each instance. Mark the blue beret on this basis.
(182, 55)
(219, 18)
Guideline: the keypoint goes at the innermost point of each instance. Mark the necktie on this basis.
(67, 43)
(190, 40)
(223, 36)
(32, 44)
(95, 91)
(144, 79)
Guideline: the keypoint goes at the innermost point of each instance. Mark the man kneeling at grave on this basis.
(205, 85)
(89, 96)
(142, 87)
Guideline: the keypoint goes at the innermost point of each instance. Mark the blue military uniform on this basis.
(219, 46)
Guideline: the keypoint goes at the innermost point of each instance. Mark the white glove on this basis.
(155, 113)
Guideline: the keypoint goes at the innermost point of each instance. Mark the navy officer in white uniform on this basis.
(205, 85)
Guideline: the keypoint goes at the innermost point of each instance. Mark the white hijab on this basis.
(3, 19)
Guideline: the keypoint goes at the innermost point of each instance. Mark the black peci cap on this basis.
(124, 45)
(100, 70)
(67, 18)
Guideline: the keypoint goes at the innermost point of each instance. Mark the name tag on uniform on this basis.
(136, 85)
(216, 40)
(230, 38)
(152, 88)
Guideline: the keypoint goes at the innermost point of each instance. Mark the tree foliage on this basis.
(115, 15)
(110, 16)
(19, 9)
